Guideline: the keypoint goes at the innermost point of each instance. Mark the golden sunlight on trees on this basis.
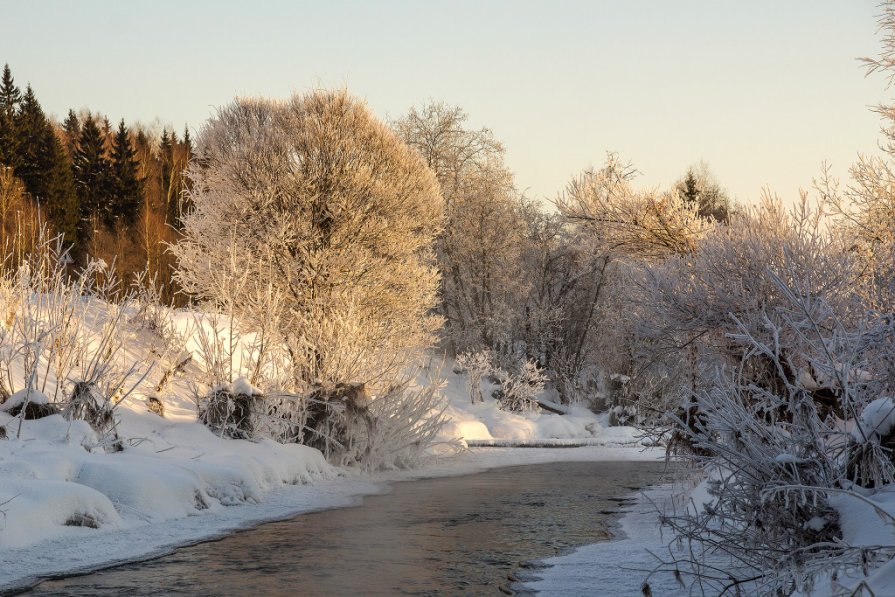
(315, 204)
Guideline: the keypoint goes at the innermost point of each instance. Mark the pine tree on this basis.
(10, 98)
(126, 186)
(92, 173)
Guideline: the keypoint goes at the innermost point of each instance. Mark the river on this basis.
(442, 536)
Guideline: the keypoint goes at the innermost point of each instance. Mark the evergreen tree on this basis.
(184, 205)
(44, 167)
(72, 129)
(126, 186)
(10, 98)
(92, 173)
(29, 123)
(164, 156)
(166, 159)
(689, 189)
(107, 128)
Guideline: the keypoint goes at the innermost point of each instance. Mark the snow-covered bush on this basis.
(405, 423)
(775, 454)
(477, 366)
(519, 390)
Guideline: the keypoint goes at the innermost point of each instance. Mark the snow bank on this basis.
(23, 396)
(53, 478)
(485, 424)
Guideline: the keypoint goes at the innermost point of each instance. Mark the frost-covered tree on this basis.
(644, 224)
(691, 306)
(612, 227)
(316, 198)
(480, 250)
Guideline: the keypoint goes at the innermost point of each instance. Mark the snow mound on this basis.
(486, 424)
(876, 421)
(23, 396)
(55, 476)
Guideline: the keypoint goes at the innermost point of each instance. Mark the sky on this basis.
(763, 91)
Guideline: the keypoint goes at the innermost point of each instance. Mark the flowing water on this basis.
(444, 536)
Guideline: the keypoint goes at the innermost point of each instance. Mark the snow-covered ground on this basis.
(69, 504)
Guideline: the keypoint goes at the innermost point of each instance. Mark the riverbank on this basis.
(90, 551)
(619, 567)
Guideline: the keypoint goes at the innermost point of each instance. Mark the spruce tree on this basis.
(44, 167)
(166, 159)
(10, 98)
(126, 186)
(72, 129)
(92, 173)
(29, 123)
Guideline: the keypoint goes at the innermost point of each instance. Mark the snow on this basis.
(23, 396)
(788, 459)
(485, 424)
(876, 421)
(242, 387)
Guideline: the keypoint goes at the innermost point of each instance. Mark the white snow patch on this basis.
(22, 396)
(876, 420)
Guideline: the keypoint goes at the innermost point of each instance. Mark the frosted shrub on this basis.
(518, 391)
(405, 424)
(477, 366)
(870, 448)
(232, 410)
(774, 454)
(313, 227)
(316, 200)
(62, 344)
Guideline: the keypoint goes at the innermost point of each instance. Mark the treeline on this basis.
(525, 284)
(111, 192)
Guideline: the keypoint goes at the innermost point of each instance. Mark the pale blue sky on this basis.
(762, 90)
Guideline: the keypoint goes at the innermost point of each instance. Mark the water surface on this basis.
(444, 536)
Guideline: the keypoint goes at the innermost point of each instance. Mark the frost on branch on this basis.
(311, 237)
(518, 391)
(316, 199)
(477, 366)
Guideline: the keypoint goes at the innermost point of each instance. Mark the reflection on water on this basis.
(447, 536)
